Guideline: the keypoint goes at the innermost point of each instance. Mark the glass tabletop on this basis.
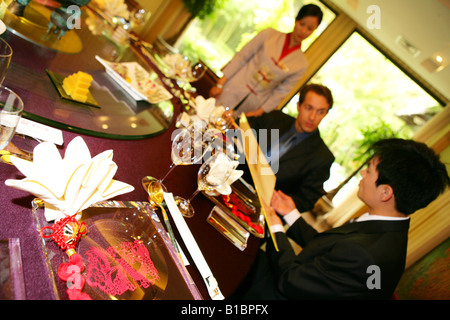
(35, 56)
(127, 255)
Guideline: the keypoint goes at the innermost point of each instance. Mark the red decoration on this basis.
(117, 269)
(236, 206)
(66, 233)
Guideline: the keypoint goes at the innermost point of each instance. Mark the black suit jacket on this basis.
(304, 168)
(331, 265)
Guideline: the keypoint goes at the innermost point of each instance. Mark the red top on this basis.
(286, 49)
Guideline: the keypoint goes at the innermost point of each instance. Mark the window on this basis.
(216, 39)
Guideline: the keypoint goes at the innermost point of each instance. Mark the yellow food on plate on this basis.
(77, 85)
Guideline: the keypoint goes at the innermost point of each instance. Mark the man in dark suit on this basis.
(360, 260)
(299, 158)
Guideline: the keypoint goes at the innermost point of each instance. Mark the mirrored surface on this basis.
(118, 114)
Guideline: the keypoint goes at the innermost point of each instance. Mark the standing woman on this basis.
(267, 68)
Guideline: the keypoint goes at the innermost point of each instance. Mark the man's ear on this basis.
(386, 192)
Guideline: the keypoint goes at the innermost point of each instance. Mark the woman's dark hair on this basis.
(320, 90)
(413, 171)
(310, 10)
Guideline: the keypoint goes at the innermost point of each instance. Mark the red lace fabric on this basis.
(120, 268)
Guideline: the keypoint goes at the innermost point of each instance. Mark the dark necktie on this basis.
(283, 147)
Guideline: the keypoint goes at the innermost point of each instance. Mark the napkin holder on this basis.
(228, 227)
(252, 219)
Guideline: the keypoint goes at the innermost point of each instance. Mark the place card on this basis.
(39, 131)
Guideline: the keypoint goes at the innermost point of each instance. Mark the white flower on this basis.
(204, 107)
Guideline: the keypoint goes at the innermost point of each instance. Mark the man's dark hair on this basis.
(310, 10)
(320, 90)
(413, 170)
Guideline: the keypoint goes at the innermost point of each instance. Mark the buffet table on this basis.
(146, 152)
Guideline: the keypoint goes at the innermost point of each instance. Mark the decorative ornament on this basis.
(117, 269)
(240, 211)
(66, 232)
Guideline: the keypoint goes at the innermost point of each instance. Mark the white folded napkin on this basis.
(69, 185)
(179, 66)
(218, 170)
(204, 107)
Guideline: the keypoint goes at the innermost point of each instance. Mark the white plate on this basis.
(160, 94)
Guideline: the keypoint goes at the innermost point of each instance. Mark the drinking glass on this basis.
(213, 173)
(198, 70)
(221, 143)
(5, 59)
(11, 108)
(187, 71)
(222, 118)
(183, 71)
(188, 148)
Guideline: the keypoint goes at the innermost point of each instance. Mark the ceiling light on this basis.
(435, 63)
(438, 61)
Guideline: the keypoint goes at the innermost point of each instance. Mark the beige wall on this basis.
(167, 18)
(431, 226)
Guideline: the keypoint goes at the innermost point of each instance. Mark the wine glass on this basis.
(188, 147)
(221, 143)
(213, 173)
(189, 72)
(221, 118)
(5, 58)
(11, 108)
(186, 71)
(198, 70)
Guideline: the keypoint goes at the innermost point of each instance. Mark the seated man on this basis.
(360, 260)
(301, 164)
